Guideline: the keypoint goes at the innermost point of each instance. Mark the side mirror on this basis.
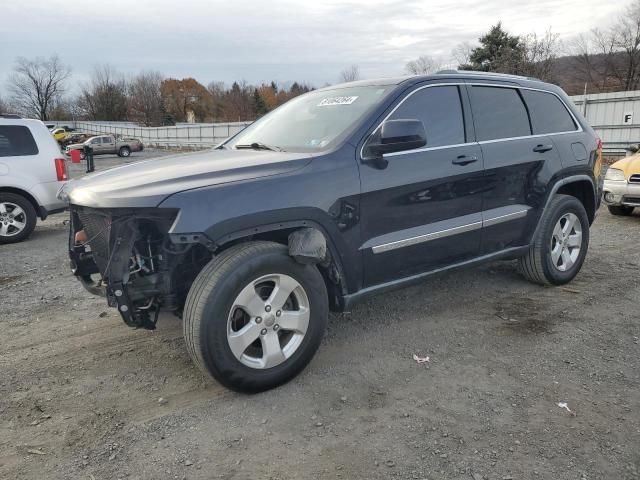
(397, 136)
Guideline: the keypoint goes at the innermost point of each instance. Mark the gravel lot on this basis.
(83, 396)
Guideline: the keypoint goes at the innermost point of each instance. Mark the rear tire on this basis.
(620, 210)
(560, 244)
(231, 329)
(124, 152)
(17, 218)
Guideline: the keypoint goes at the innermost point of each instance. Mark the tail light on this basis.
(61, 169)
(597, 166)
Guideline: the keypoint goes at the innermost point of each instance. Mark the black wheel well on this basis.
(24, 194)
(330, 269)
(583, 191)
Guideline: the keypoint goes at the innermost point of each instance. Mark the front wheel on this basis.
(254, 317)
(560, 244)
(17, 218)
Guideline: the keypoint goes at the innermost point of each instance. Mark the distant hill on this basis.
(571, 73)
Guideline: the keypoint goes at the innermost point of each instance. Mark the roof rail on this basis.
(479, 73)
(9, 115)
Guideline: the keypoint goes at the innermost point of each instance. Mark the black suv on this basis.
(340, 193)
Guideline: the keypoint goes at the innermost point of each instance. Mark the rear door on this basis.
(422, 209)
(20, 164)
(517, 165)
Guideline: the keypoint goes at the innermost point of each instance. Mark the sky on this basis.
(261, 41)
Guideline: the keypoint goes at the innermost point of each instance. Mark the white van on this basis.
(32, 169)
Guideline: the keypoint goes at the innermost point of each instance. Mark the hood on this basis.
(629, 165)
(147, 183)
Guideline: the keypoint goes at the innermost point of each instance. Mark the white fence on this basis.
(198, 135)
(614, 116)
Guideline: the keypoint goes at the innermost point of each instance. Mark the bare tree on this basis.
(423, 65)
(105, 96)
(626, 34)
(461, 54)
(145, 98)
(350, 74)
(539, 54)
(4, 107)
(36, 84)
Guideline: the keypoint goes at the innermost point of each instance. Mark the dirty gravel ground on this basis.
(80, 392)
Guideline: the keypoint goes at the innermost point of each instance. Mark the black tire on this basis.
(30, 218)
(537, 265)
(124, 152)
(82, 156)
(620, 210)
(211, 299)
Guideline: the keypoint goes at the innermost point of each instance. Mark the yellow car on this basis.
(60, 134)
(622, 185)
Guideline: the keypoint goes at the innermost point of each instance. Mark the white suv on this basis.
(32, 169)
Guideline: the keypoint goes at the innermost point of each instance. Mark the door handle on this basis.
(464, 160)
(542, 148)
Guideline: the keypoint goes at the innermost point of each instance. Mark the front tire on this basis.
(620, 210)
(254, 317)
(560, 245)
(17, 218)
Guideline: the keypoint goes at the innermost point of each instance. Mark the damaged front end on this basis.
(127, 256)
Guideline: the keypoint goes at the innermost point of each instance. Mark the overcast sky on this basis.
(271, 40)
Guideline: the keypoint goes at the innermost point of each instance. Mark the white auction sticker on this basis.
(337, 101)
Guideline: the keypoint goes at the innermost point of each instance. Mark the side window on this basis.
(498, 113)
(16, 141)
(440, 110)
(94, 141)
(106, 139)
(548, 113)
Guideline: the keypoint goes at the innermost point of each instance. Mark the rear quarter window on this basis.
(548, 113)
(498, 112)
(16, 141)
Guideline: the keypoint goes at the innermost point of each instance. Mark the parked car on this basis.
(31, 172)
(340, 194)
(108, 144)
(622, 185)
(60, 134)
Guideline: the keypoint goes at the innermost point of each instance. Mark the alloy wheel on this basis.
(13, 219)
(268, 321)
(566, 242)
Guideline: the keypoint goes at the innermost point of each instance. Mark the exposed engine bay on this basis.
(127, 256)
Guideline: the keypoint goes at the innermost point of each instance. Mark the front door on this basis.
(422, 209)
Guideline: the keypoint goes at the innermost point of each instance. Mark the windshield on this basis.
(311, 122)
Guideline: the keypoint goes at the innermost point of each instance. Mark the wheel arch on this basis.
(18, 191)
(582, 188)
(332, 267)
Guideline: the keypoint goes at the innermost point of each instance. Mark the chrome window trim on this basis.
(579, 128)
(469, 227)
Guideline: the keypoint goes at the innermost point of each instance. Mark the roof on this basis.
(434, 76)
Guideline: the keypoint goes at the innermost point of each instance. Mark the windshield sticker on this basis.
(337, 101)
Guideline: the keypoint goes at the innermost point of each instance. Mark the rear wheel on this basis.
(124, 152)
(560, 245)
(621, 210)
(17, 218)
(254, 317)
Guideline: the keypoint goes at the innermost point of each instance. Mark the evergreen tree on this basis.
(498, 52)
